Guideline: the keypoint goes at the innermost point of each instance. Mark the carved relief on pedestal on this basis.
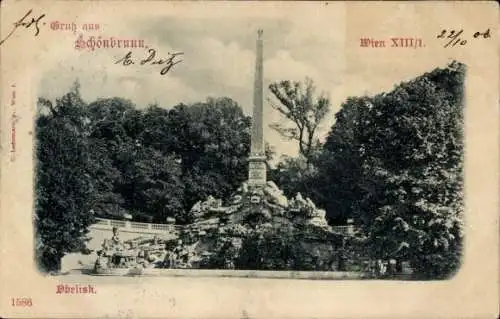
(257, 171)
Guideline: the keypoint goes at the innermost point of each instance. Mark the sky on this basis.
(219, 61)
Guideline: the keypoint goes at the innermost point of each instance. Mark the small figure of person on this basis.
(142, 259)
(107, 252)
(101, 262)
(153, 259)
(399, 266)
(391, 267)
(380, 268)
(116, 247)
(105, 247)
(147, 258)
(116, 237)
(342, 261)
(228, 264)
(168, 261)
(132, 246)
(180, 254)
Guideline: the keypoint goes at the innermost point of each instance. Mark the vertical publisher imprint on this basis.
(13, 123)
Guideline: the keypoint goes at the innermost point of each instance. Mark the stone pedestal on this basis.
(257, 174)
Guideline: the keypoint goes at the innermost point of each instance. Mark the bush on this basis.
(282, 249)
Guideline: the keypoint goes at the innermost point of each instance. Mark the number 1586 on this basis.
(21, 302)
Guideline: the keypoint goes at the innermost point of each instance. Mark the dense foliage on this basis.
(212, 142)
(273, 248)
(64, 188)
(109, 158)
(392, 162)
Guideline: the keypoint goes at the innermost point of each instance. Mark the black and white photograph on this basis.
(372, 189)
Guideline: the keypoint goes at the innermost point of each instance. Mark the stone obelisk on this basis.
(257, 159)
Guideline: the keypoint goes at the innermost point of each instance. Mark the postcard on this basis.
(214, 159)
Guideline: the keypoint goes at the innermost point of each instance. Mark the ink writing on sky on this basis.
(151, 58)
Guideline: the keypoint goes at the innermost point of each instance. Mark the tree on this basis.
(339, 163)
(211, 141)
(296, 101)
(112, 138)
(157, 188)
(134, 146)
(64, 189)
(267, 249)
(294, 175)
(406, 187)
(282, 247)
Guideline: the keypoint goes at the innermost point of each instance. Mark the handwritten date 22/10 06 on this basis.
(456, 37)
(169, 62)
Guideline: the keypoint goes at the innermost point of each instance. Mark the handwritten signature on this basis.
(25, 23)
(151, 59)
